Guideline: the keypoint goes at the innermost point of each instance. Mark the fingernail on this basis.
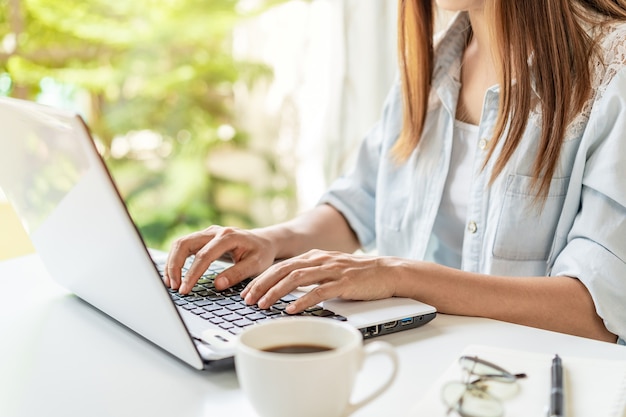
(290, 308)
(248, 299)
(221, 283)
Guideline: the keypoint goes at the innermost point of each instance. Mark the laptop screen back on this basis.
(58, 184)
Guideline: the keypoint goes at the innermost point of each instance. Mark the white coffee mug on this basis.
(312, 384)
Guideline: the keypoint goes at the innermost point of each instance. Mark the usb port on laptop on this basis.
(406, 321)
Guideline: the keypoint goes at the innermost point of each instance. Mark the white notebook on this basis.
(593, 387)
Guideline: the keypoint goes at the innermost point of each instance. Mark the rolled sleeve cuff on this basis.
(357, 208)
(604, 275)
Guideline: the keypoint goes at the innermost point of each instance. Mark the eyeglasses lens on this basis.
(470, 400)
(480, 392)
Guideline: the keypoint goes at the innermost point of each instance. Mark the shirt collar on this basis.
(449, 47)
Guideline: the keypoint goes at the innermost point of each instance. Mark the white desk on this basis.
(60, 357)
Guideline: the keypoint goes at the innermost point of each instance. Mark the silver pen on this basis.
(556, 389)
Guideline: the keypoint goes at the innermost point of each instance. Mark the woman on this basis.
(494, 184)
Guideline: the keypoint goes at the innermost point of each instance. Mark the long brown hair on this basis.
(550, 32)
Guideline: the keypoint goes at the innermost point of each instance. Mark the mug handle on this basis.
(373, 348)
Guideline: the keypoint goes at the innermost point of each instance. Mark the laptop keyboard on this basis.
(227, 309)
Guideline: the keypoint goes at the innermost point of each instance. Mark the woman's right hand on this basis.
(250, 252)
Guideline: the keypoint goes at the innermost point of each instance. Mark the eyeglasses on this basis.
(481, 396)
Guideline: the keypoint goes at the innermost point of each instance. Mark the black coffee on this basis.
(298, 349)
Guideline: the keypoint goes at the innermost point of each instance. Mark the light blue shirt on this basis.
(580, 231)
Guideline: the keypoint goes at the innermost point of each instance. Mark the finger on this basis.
(243, 269)
(180, 250)
(272, 289)
(211, 251)
(317, 295)
(166, 278)
(252, 284)
(259, 286)
(174, 264)
(198, 267)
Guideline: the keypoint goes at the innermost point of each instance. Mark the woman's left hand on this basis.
(337, 274)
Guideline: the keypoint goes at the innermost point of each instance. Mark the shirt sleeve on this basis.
(354, 194)
(595, 251)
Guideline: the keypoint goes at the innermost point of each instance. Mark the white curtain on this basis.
(352, 63)
(334, 61)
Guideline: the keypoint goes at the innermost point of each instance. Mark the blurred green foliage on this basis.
(155, 80)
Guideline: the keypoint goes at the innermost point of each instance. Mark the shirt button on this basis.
(472, 227)
(482, 144)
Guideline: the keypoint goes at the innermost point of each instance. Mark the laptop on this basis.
(57, 182)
